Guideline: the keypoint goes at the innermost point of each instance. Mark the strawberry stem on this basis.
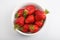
(46, 11)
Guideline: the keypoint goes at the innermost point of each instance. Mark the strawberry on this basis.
(39, 15)
(39, 23)
(20, 21)
(33, 28)
(37, 12)
(19, 13)
(29, 19)
(25, 28)
(29, 10)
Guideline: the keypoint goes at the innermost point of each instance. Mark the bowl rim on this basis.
(16, 9)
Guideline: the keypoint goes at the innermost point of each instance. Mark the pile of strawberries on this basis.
(29, 19)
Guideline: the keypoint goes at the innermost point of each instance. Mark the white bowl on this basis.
(21, 6)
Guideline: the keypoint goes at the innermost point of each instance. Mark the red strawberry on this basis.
(29, 19)
(20, 21)
(39, 23)
(33, 28)
(39, 15)
(25, 28)
(37, 12)
(29, 9)
(19, 13)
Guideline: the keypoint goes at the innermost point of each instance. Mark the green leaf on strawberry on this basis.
(31, 27)
(21, 28)
(46, 11)
(16, 15)
(25, 13)
(16, 26)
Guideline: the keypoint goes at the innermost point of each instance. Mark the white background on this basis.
(50, 31)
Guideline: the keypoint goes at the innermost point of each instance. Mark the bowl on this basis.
(21, 6)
